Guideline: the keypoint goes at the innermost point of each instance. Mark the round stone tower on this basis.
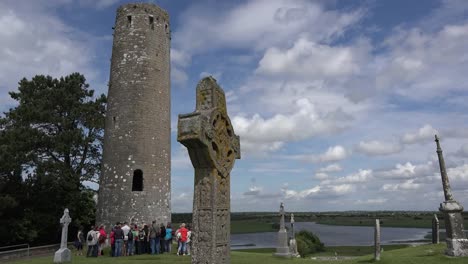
(135, 183)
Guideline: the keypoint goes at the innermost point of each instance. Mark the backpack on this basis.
(142, 234)
(130, 235)
(90, 237)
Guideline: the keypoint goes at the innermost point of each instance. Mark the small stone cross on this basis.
(292, 226)
(63, 254)
(65, 221)
(281, 213)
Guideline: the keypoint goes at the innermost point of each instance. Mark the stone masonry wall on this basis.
(137, 128)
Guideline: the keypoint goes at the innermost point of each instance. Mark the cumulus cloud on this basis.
(359, 177)
(259, 24)
(39, 42)
(425, 64)
(334, 167)
(301, 60)
(254, 190)
(372, 201)
(99, 4)
(321, 176)
(424, 134)
(459, 173)
(408, 170)
(334, 153)
(406, 185)
(463, 151)
(377, 148)
(258, 133)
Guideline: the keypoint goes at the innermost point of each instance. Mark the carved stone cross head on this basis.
(65, 220)
(208, 132)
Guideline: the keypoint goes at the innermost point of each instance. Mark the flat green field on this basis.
(427, 254)
(250, 226)
(340, 250)
(386, 221)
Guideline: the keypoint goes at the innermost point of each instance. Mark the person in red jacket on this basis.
(182, 236)
(102, 239)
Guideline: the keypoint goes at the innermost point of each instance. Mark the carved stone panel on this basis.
(213, 147)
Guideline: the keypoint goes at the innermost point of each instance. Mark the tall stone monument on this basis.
(135, 181)
(457, 243)
(435, 230)
(282, 248)
(292, 241)
(377, 240)
(64, 254)
(213, 147)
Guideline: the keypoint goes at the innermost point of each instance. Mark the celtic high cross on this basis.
(213, 147)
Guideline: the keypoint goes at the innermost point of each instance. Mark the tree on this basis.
(308, 243)
(51, 145)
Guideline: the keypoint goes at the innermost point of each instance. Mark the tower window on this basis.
(129, 21)
(151, 21)
(137, 183)
(115, 121)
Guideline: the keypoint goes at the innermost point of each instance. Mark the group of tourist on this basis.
(128, 240)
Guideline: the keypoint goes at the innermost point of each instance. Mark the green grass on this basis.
(426, 254)
(330, 251)
(250, 226)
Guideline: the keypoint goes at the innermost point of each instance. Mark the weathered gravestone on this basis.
(64, 254)
(377, 240)
(282, 249)
(292, 242)
(457, 244)
(212, 146)
(435, 230)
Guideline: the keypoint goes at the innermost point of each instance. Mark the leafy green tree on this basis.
(51, 144)
(308, 243)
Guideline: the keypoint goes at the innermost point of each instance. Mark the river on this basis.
(332, 235)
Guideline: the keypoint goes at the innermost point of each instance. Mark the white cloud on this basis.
(254, 190)
(258, 133)
(178, 76)
(301, 60)
(372, 201)
(359, 177)
(334, 153)
(99, 4)
(376, 148)
(463, 151)
(408, 170)
(334, 167)
(401, 171)
(406, 185)
(258, 24)
(38, 42)
(459, 173)
(425, 64)
(424, 134)
(291, 194)
(321, 176)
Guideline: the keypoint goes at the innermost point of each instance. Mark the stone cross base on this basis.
(457, 247)
(282, 250)
(62, 255)
(293, 248)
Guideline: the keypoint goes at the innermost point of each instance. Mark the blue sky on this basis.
(336, 102)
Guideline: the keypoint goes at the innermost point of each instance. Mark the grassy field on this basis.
(340, 250)
(427, 254)
(249, 226)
